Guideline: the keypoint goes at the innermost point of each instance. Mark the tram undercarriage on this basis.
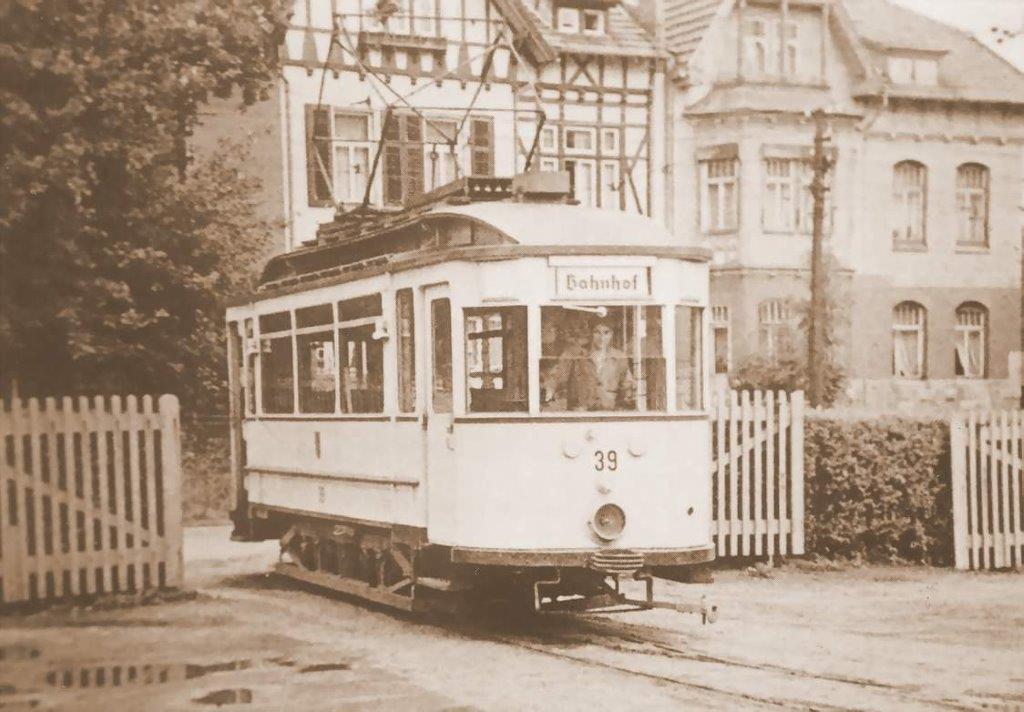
(396, 567)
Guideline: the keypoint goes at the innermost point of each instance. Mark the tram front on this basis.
(572, 452)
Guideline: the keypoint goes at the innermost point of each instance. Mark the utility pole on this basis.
(817, 323)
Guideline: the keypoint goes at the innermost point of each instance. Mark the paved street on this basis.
(877, 638)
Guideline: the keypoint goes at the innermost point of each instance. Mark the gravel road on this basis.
(872, 638)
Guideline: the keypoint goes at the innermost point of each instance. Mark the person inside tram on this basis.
(597, 377)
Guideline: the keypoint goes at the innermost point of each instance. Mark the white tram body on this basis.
(406, 415)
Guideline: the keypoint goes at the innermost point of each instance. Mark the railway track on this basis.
(645, 651)
(660, 655)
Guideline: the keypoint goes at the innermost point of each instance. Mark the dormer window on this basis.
(907, 69)
(568, 20)
(593, 22)
(576, 20)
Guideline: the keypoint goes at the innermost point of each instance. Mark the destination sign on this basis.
(602, 282)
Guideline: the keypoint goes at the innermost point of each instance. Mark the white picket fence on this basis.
(90, 497)
(757, 469)
(986, 451)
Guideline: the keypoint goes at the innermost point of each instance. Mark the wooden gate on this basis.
(90, 498)
(987, 481)
(757, 470)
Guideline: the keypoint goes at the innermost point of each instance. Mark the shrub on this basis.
(205, 471)
(878, 490)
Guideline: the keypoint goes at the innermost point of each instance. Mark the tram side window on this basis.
(406, 321)
(251, 364)
(689, 361)
(314, 342)
(496, 372)
(360, 355)
(276, 363)
(602, 359)
(441, 330)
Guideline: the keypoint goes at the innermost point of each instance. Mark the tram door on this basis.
(439, 430)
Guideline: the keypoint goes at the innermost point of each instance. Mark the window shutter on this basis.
(413, 169)
(319, 163)
(392, 173)
(481, 143)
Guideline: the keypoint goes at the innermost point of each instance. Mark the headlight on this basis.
(609, 521)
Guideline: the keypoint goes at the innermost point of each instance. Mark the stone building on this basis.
(923, 216)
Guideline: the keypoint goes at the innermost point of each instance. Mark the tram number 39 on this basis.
(606, 460)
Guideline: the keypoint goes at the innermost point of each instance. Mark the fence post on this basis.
(958, 487)
(170, 442)
(797, 488)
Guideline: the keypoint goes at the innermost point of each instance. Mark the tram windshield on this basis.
(606, 358)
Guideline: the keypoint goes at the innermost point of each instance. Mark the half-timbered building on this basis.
(379, 100)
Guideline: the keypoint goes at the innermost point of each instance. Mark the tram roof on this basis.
(547, 224)
(513, 224)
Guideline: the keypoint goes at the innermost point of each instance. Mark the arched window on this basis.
(909, 197)
(909, 329)
(971, 337)
(775, 324)
(972, 182)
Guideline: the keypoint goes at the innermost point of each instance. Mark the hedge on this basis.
(877, 490)
(206, 471)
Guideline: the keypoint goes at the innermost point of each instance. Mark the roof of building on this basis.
(686, 22)
(968, 70)
(624, 36)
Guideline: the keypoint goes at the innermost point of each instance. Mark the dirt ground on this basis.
(871, 638)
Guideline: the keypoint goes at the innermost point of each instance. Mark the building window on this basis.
(719, 185)
(909, 197)
(582, 175)
(441, 157)
(425, 17)
(721, 341)
(361, 355)
(611, 188)
(756, 44)
(403, 158)
(766, 52)
(909, 325)
(972, 199)
(405, 321)
(481, 147)
(548, 138)
(593, 22)
(971, 337)
(496, 361)
(774, 328)
(788, 204)
(319, 157)
(579, 140)
(913, 70)
(610, 141)
(351, 141)
(568, 20)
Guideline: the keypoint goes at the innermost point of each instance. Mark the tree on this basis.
(114, 256)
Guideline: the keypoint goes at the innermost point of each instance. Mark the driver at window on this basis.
(598, 378)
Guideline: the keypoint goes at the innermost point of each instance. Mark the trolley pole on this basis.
(817, 324)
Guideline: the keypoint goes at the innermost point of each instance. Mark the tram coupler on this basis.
(708, 612)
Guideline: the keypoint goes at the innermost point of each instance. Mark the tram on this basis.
(493, 393)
